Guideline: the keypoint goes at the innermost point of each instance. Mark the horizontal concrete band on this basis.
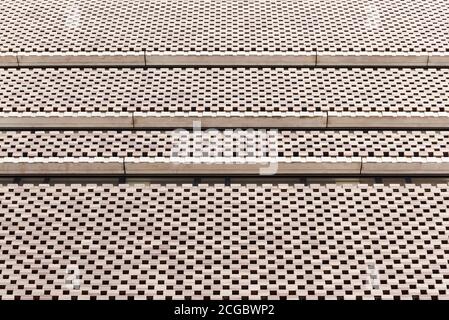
(387, 119)
(62, 166)
(224, 120)
(161, 120)
(140, 58)
(263, 167)
(270, 166)
(404, 166)
(66, 120)
(81, 59)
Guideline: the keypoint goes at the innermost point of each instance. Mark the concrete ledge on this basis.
(8, 60)
(162, 120)
(259, 166)
(371, 59)
(61, 166)
(141, 58)
(268, 166)
(66, 120)
(230, 120)
(388, 119)
(81, 59)
(231, 58)
(224, 119)
(206, 58)
(439, 59)
(402, 165)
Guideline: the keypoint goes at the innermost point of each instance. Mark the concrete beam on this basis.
(230, 119)
(269, 166)
(231, 58)
(388, 119)
(439, 59)
(402, 165)
(66, 120)
(371, 59)
(19, 166)
(81, 59)
(8, 60)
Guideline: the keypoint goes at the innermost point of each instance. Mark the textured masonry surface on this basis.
(212, 143)
(238, 241)
(223, 26)
(202, 90)
(224, 97)
(229, 32)
(224, 151)
(372, 71)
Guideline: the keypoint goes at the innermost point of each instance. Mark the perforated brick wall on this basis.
(200, 144)
(220, 26)
(224, 90)
(238, 241)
